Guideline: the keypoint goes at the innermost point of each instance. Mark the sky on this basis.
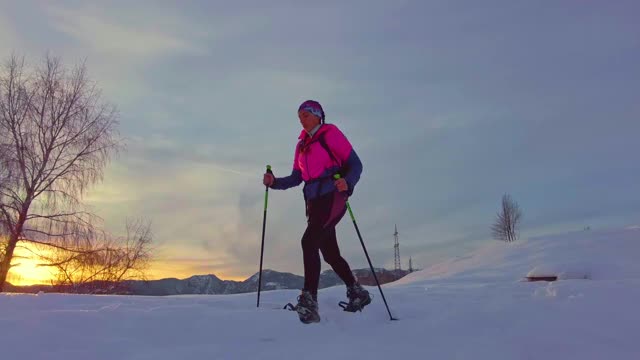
(449, 104)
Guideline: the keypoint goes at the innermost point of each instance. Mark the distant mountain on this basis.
(29, 289)
(211, 284)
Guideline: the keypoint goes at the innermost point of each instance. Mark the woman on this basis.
(322, 151)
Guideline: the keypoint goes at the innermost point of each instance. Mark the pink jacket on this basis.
(316, 166)
(311, 158)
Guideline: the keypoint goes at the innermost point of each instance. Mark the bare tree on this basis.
(101, 268)
(7, 181)
(57, 135)
(507, 220)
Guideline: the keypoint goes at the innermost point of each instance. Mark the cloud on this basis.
(190, 198)
(109, 34)
(8, 36)
(122, 49)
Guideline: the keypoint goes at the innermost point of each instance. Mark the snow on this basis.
(477, 306)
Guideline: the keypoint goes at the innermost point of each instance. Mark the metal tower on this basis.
(396, 247)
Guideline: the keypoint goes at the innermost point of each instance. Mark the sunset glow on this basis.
(27, 269)
(168, 268)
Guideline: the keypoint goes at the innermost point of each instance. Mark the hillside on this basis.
(479, 306)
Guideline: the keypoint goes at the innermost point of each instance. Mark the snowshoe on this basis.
(307, 308)
(358, 298)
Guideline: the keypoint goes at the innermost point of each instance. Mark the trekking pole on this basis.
(264, 223)
(337, 176)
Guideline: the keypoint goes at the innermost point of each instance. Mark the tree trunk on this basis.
(5, 265)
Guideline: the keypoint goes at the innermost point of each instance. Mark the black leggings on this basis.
(323, 214)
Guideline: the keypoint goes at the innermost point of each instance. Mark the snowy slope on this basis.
(472, 307)
(597, 255)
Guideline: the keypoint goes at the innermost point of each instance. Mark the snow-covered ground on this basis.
(472, 307)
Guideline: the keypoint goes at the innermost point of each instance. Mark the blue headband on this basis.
(314, 111)
(313, 107)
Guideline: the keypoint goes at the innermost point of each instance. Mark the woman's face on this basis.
(308, 120)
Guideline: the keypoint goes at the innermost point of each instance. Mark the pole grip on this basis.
(266, 192)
